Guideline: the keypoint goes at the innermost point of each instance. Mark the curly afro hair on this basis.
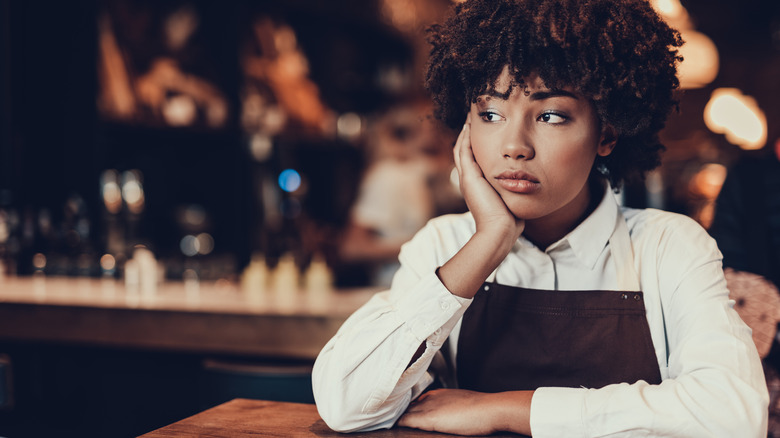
(618, 53)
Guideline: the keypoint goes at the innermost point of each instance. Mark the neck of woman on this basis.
(545, 231)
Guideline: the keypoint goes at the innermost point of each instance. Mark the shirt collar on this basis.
(590, 237)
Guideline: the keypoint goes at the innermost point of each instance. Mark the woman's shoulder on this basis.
(667, 230)
(655, 217)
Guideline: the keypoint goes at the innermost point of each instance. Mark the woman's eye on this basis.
(490, 116)
(552, 118)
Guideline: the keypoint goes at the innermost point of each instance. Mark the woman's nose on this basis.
(518, 146)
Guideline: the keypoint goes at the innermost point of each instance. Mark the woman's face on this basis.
(536, 147)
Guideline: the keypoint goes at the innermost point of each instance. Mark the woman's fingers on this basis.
(456, 151)
(468, 163)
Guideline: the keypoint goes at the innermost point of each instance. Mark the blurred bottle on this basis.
(285, 277)
(254, 278)
(9, 234)
(318, 276)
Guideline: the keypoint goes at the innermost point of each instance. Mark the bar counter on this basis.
(92, 358)
(212, 318)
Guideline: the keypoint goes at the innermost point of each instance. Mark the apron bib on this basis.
(513, 338)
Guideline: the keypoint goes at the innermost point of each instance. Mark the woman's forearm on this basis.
(465, 272)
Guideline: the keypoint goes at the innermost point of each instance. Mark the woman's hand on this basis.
(462, 412)
(489, 210)
(497, 228)
(449, 411)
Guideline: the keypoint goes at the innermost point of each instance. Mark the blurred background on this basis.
(211, 132)
(205, 132)
(228, 139)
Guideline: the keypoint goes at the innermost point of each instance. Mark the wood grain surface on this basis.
(241, 418)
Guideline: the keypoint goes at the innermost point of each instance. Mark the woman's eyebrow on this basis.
(541, 95)
(535, 96)
(497, 94)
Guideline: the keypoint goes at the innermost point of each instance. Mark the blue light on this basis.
(289, 180)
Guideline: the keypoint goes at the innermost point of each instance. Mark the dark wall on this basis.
(51, 105)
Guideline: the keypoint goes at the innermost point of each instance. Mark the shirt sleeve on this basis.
(362, 379)
(714, 385)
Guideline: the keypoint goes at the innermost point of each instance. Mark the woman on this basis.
(548, 309)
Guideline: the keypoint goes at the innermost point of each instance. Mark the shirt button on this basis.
(444, 305)
(437, 332)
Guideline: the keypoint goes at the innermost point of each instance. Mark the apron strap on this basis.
(623, 255)
(628, 278)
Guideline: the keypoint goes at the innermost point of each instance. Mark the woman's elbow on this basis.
(348, 411)
(337, 419)
(345, 419)
(337, 407)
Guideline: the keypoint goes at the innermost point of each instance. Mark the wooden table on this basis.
(208, 318)
(240, 418)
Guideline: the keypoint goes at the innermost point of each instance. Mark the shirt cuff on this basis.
(557, 412)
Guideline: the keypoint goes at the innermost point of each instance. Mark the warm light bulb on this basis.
(107, 262)
(738, 117)
(700, 60)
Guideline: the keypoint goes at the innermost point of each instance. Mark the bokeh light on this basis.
(189, 245)
(109, 189)
(132, 191)
(180, 110)
(39, 261)
(107, 262)
(738, 117)
(700, 60)
(261, 147)
(669, 9)
(709, 180)
(289, 180)
(349, 126)
(205, 243)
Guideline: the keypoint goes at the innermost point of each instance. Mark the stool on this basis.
(226, 380)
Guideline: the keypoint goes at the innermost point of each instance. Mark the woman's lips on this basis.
(518, 182)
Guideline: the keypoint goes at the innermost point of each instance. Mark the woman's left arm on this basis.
(714, 384)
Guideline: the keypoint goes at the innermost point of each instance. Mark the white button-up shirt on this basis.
(713, 383)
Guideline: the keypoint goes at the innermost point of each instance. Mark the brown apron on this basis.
(513, 338)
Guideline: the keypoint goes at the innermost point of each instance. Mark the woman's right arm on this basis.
(368, 373)
(363, 379)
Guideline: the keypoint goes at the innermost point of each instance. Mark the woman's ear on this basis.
(607, 141)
